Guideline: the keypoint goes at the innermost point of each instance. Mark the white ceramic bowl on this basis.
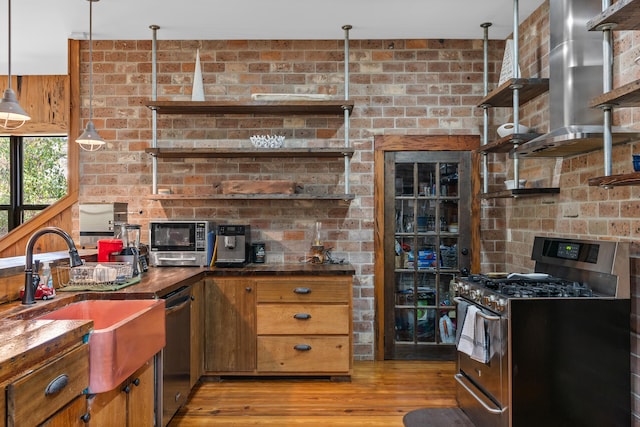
(508, 128)
(511, 184)
(267, 141)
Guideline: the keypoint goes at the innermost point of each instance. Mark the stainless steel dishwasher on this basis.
(176, 356)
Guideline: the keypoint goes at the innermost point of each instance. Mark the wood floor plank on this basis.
(379, 394)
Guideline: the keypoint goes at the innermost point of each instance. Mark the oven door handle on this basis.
(460, 380)
(480, 313)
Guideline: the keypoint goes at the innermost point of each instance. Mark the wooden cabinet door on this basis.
(230, 325)
(197, 332)
(140, 404)
(108, 408)
(71, 415)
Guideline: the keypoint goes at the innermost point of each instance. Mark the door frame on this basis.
(387, 143)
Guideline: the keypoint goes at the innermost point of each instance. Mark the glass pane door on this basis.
(426, 252)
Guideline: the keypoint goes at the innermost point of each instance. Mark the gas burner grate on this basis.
(551, 287)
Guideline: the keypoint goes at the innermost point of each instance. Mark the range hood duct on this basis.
(575, 77)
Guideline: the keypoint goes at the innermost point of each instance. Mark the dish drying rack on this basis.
(96, 276)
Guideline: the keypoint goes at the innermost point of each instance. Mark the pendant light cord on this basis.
(91, 60)
(9, 47)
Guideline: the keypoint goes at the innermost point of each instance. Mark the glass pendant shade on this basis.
(90, 140)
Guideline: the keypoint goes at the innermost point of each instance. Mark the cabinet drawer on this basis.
(303, 354)
(302, 319)
(318, 290)
(33, 398)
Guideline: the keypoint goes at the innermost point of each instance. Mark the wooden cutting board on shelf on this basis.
(258, 187)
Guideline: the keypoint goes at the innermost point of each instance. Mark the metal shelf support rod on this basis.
(485, 108)
(154, 112)
(516, 91)
(607, 85)
(347, 160)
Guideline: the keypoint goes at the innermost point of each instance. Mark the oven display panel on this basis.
(572, 251)
(568, 250)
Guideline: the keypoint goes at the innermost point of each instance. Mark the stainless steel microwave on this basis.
(181, 242)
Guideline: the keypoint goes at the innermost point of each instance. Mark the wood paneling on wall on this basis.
(45, 99)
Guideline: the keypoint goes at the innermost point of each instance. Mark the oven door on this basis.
(172, 236)
(482, 389)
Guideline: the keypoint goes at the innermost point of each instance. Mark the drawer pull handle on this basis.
(302, 316)
(302, 291)
(56, 385)
(302, 347)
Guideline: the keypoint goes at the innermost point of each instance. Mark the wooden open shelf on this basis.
(502, 96)
(623, 96)
(622, 15)
(329, 107)
(506, 144)
(180, 153)
(615, 180)
(520, 192)
(177, 197)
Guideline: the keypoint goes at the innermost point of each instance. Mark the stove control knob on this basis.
(489, 300)
(476, 295)
(501, 304)
(464, 289)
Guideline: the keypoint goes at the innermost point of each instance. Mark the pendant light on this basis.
(90, 140)
(12, 116)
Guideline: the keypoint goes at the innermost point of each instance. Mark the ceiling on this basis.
(40, 28)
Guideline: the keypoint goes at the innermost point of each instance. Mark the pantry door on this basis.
(427, 236)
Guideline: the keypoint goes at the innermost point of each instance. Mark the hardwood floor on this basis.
(379, 394)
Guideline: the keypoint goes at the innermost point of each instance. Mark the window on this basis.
(33, 175)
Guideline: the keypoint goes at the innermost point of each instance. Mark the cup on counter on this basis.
(258, 252)
(636, 162)
(108, 247)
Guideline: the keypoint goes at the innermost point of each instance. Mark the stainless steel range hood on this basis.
(575, 77)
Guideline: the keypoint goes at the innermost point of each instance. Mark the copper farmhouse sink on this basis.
(126, 334)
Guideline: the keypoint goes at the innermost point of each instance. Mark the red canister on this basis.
(106, 247)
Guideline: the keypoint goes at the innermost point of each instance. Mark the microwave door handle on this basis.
(480, 313)
(175, 259)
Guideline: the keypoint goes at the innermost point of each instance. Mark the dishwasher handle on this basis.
(177, 300)
(177, 304)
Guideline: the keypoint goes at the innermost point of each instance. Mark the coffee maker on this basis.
(233, 245)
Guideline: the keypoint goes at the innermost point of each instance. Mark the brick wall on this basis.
(399, 87)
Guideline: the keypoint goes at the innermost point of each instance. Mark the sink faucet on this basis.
(74, 260)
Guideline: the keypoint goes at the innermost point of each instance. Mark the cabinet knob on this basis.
(85, 418)
(127, 388)
(302, 291)
(136, 382)
(302, 347)
(464, 251)
(248, 289)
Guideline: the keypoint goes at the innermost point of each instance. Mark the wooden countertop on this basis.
(24, 342)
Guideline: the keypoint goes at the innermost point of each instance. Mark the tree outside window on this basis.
(33, 175)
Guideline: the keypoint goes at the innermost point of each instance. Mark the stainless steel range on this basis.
(552, 347)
